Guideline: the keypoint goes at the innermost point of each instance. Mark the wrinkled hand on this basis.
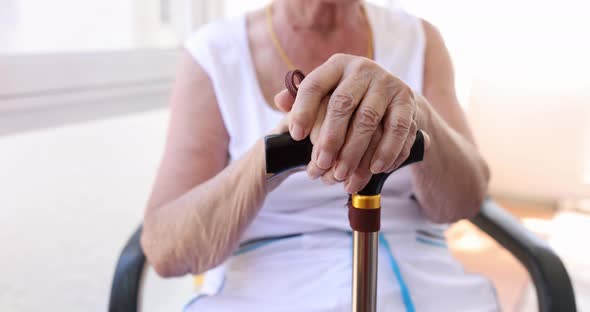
(361, 119)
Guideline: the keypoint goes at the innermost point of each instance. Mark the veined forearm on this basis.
(452, 181)
(200, 229)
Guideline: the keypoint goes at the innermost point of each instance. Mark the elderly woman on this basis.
(374, 77)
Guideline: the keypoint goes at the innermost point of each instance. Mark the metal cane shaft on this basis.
(364, 271)
(364, 213)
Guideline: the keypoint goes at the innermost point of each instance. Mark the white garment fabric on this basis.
(312, 272)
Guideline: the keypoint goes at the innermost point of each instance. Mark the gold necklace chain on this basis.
(283, 54)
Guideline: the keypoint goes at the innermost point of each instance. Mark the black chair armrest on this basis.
(126, 284)
(554, 288)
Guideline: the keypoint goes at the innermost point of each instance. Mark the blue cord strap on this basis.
(409, 304)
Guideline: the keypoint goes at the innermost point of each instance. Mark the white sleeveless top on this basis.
(300, 205)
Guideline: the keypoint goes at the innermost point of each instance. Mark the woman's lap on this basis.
(313, 273)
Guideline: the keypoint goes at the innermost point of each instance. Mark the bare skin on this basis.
(333, 28)
(201, 206)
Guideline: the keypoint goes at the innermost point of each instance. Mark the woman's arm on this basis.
(452, 181)
(199, 207)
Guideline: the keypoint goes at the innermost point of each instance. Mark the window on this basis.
(59, 58)
(31, 26)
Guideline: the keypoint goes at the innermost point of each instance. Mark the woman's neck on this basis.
(320, 16)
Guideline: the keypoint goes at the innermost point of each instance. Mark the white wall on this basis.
(536, 141)
(522, 76)
(69, 199)
(32, 26)
(38, 91)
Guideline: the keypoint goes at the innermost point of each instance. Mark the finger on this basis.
(396, 125)
(405, 152)
(363, 174)
(312, 90)
(284, 101)
(341, 107)
(319, 121)
(426, 140)
(313, 171)
(328, 177)
(365, 122)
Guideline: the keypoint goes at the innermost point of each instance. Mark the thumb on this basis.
(284, 101)
(426, 140)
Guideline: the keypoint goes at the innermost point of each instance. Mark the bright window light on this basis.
(586, 175)
(237, 7)
(32, 26)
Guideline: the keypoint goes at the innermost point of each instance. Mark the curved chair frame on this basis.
(552, 283)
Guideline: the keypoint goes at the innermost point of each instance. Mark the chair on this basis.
(552, 283)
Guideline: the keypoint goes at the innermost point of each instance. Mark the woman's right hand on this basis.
(361, 119)
(357, 180)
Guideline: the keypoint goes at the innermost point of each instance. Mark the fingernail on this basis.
(297, 132)
(348, 188)
(313, 173)
(377, 166)
(325, 160)
(328, 181)
(313, 176)
(341, 172)
(352, 185)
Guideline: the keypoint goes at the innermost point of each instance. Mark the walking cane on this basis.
(364, 208)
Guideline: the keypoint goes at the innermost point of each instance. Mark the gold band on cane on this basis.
(366, 201)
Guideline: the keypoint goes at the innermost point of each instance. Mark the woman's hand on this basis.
(362, 120)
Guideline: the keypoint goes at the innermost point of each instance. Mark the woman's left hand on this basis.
(362, 120)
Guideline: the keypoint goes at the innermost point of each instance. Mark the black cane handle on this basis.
(377, 180)
(283, 154)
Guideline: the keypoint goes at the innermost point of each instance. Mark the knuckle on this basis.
(392, 89)
(311, 86)
(383, 95)
(404, 96)
(401, 127)
(390, 81)
(368, 118)
(362, 64)
(338, 57)
(342, 103)
(410, 93)
(362, 74)
(411, 134)
(330, 141)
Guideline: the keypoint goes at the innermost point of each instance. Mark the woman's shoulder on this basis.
(393, 18)
(217, 34)
(216, 42)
